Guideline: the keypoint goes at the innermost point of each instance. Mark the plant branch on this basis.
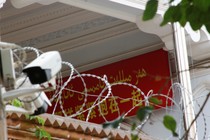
(196, 117)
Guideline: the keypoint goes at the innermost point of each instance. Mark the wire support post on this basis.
(3, 123)
(184, 79)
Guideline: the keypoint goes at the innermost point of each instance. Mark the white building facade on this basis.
(73, 27)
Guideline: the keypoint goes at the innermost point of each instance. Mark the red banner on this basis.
(149, 71)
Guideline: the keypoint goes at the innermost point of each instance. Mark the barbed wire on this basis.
(106, 93)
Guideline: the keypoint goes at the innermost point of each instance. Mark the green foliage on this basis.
(196, 12)
(143, 112)
(39, 119)
(155, 101)
(41, 133)
(133, 127)
(134, 137)
(17, 103)
(151, 9)
(170, 123)
(114, 124)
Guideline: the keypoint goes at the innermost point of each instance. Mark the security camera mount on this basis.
(8, 80)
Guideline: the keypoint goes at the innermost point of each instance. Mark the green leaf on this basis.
(143, 112)
(205, 18)
(134, 137)
(177, 15)
(207, 27)
(170, 123)
(41, 133)
(37, 133)
(114, 124)
(106, 124)
(155, 100)
(195, 18)
(40, 120)
(17, 103)
(184, 6)
(202, 5)
(31, 117)
(168, 16)
(27, 116)
(133, 127)
(151, 9)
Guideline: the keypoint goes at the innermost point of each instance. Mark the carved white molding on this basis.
(23, 3)
(129, 10)
(38, 16)
(104, 7)
(153, 27)
(64, 28)
(75, 36)
(123, 9)
(199, 50)
(140, 4)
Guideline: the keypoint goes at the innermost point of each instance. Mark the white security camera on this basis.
(43, 68)
(28, 89)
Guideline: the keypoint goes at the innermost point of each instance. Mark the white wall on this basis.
(103, 40)
(201, 84)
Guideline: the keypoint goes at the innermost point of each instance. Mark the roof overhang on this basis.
(131, 10)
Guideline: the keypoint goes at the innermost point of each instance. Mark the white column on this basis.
(3, 123)
(184, 78)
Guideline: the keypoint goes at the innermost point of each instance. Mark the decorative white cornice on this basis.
(199, 35)
(122, 9)
(35, 17)
(71, 33)
(74, 31)
(140, 4)
(131, 10)
(153, 26)
(83, 19)
(105, 7)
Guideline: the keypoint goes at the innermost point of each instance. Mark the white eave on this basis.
(131, 10)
